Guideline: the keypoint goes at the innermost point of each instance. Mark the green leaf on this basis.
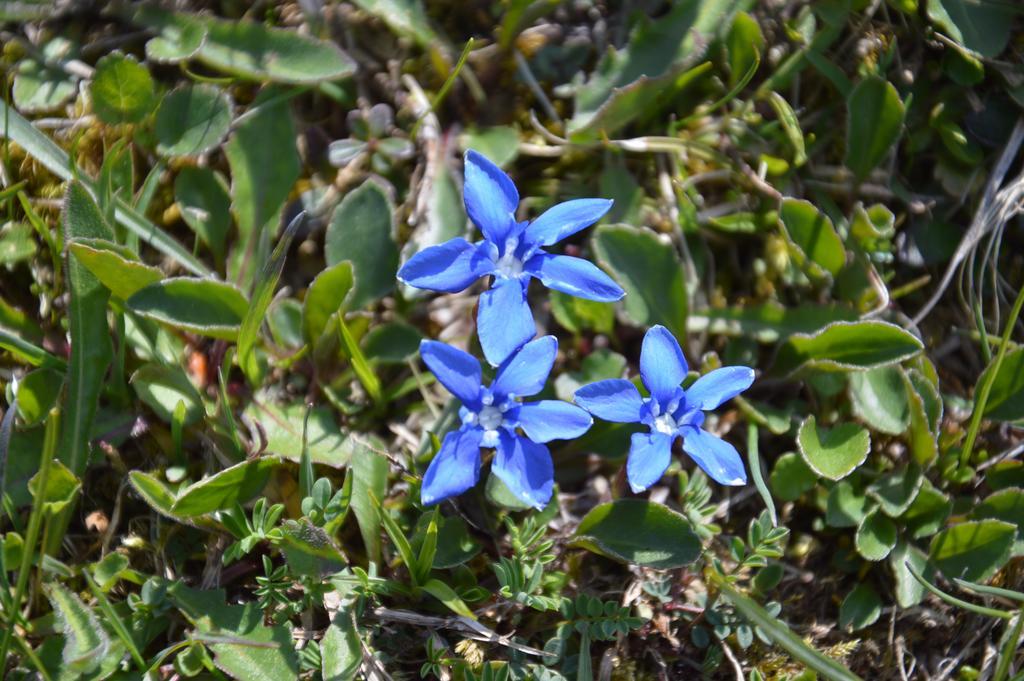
(447, 595)
(16, 243)
(791, 477)
(116, 267)
(264, 163)
(454, 544)
(192, 119)
(30, 354)
(222, 490)
(745, 43)
(922, 398)
(847, 346)
(498, 494)
(770, 321)
(362, 231)
(845, 507)
(780, 634)
(162, 387)
(91, 350)
(833, 453)
(1006, 397)
(1006, 504)
(861, 608)
(122, 90)
(309, 550)
(283, 427)
(909, 591)
(928, 513)
(879, 399)
(369, 481)
(874, 119)
(205, 206)
(896, 491)
(85, 641)
(650, 272)
(981, 27)
(973, 550)
(639, 532)
(392, 343)
(176, 42)
(341, 654)
(876, 536)
(61, 488)
(499, 143)
(262, 294)
(812, 236)
(654, 66)
(159, 497)
(203, 306)
(579, 315)
(251, 50)
(364, 372)
(39, 88)
(406, 18)
(37, 393)
(325, 297)
(791, 126)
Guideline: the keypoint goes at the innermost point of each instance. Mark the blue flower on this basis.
(492, 416)
(670, 412)
(512, 252)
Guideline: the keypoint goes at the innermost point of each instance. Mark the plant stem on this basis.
(34, 524)
(981, 398)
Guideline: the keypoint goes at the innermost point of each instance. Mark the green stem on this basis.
(981, 399)
(35, 522)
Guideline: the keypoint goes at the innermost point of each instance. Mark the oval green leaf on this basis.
(203, 306)
(874, 119)
(122, 89)
(650, 272)
(973, 550)
(876, 536)
(847, 346)
(833, 453)
(639, 532)
(223, 490)
(192, 119)
(362, 230)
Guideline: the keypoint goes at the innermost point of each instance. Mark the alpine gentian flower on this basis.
(490, 418)
(670, 412)
(513, 253)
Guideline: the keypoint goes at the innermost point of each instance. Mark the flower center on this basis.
(509, 265)
(490, 417)
(665, 424)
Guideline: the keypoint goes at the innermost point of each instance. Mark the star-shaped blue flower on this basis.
(670, 412)
(512, 252)
(492, 416)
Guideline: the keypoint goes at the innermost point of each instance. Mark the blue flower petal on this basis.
(575, 276)
(662, 365)
(526, 372)
(549, 420)
(718, 458)
(565, 219)
(717, 386)
(449, 267)
(504, 321)
(614, 399)
(491, 198)
(456, 467)
(649, 456)
(526, 469)
(458, 371)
